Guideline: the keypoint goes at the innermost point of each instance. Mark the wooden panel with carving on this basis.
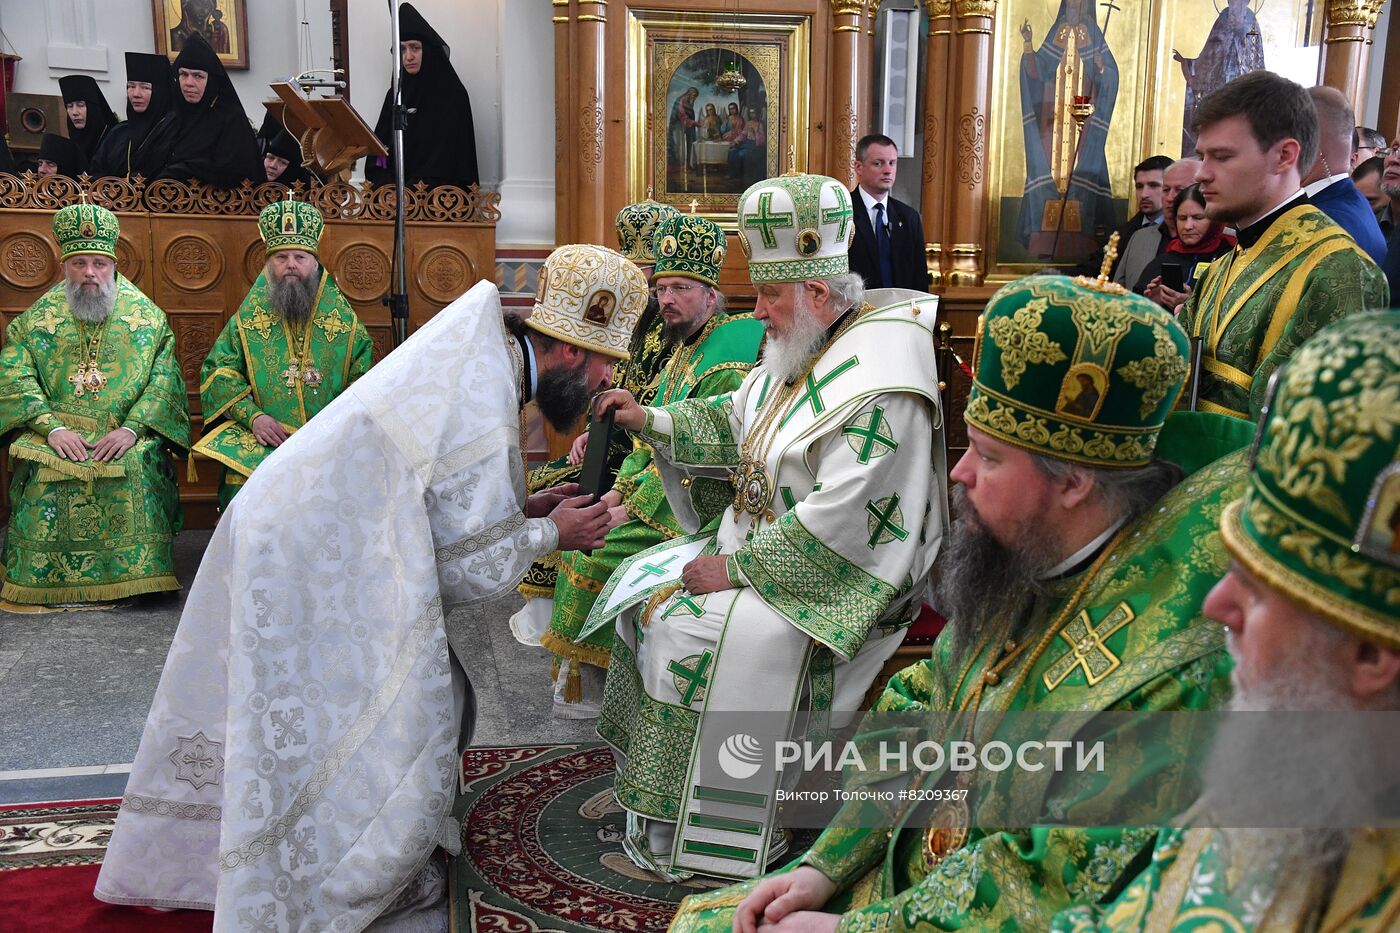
(196, 252)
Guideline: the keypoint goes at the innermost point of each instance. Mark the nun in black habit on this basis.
(59, 155)
(126, 151)
(81, 94)
(210, 138)
(439, 140)
(282, 161)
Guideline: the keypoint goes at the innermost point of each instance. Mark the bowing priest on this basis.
(578, 688)
(300, 760)
(1312, 628)
(822, 550)
(711, 353)
(210, 139)
(1293, 269)
(293, 346)
(93, 402)
(1073, 580)
(124, 151)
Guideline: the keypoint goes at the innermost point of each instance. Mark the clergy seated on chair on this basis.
(92, 399)
(1293, 269)
(819, 559)
(1072, 581)
(578, 687)
(1314, 630)
(712, 352)
(292, 347)
(310, 689)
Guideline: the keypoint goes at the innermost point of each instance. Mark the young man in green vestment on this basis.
(649, 352)
(711, 354)
(1073, 579)
(1293, 270)
(93, 400)
(292, 347)
(1311, 604)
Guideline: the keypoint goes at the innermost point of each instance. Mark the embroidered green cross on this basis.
(765, 221)
(653, 570)
(687, 602)
(789, 500)
(694, 678)
(813, 394)
(842, 212)
(868, 438)
(886, 521)
(1086, 647)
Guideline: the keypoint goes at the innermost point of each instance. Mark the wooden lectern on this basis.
(332, 134)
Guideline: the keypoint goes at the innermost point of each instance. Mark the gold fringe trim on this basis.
(191, 474)
(573, 685)
(60, 467)
(657, 598)
(563, 648)
(99, 592)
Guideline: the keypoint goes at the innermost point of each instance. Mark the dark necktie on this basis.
(882, 248)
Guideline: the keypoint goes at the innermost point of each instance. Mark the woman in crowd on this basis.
(1198, 240)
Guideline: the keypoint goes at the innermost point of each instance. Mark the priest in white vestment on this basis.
(834, 447)
(300, 759)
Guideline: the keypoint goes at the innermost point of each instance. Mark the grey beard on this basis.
(291, 298)
(1392, 191)
(1334, 778)
(984, 587)
(89, 307)
(787, 355)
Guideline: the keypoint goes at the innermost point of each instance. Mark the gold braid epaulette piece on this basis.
(1102, 284)
(336, 200)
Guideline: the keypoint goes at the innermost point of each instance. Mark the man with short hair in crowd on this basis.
(1148, 183)
(1328, 185)
(1366, 143)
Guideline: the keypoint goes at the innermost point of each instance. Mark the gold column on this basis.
(564, 104)
(936, 137)
(965, 184)
(1346, 46)
(590, 226)
(849, 88)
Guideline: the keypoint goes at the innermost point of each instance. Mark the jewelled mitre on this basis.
(85, 230)
(1320, 518)
(794, 228)
(1076, 372)
(291, 225)
(689, 246)
(636, 229)
(591, 297)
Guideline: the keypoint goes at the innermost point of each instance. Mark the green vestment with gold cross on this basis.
(262, 366)
(1127, 638)
(714, 363)
(1253, 308)
(89, 531)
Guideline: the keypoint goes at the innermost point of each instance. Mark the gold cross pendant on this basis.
(291, 374)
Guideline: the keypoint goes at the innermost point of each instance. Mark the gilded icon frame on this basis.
(232, 15)
(665, 50)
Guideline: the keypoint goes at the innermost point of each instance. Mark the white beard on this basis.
(787, 355)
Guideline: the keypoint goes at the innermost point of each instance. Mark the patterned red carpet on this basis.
(542, 847)
(49, 857)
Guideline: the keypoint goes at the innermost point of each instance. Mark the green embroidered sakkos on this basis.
(89, 531)
(260, 365)
(1153, 652)
(1254, 307)
(713, 364)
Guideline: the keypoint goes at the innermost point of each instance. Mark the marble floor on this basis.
(75, 688)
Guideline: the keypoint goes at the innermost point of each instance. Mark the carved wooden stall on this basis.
(196, 251)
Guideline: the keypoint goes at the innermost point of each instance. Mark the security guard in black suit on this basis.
(888, 250)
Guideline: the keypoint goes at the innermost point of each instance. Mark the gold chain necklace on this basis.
(89, 379)
(951, 820)
(753, 489)
(301, 369)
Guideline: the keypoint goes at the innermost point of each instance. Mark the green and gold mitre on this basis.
(291, 225)
(1320, 519)
(689, 246)
(794, 228)
(636, 229)
(1076, 369)
(85, 230)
